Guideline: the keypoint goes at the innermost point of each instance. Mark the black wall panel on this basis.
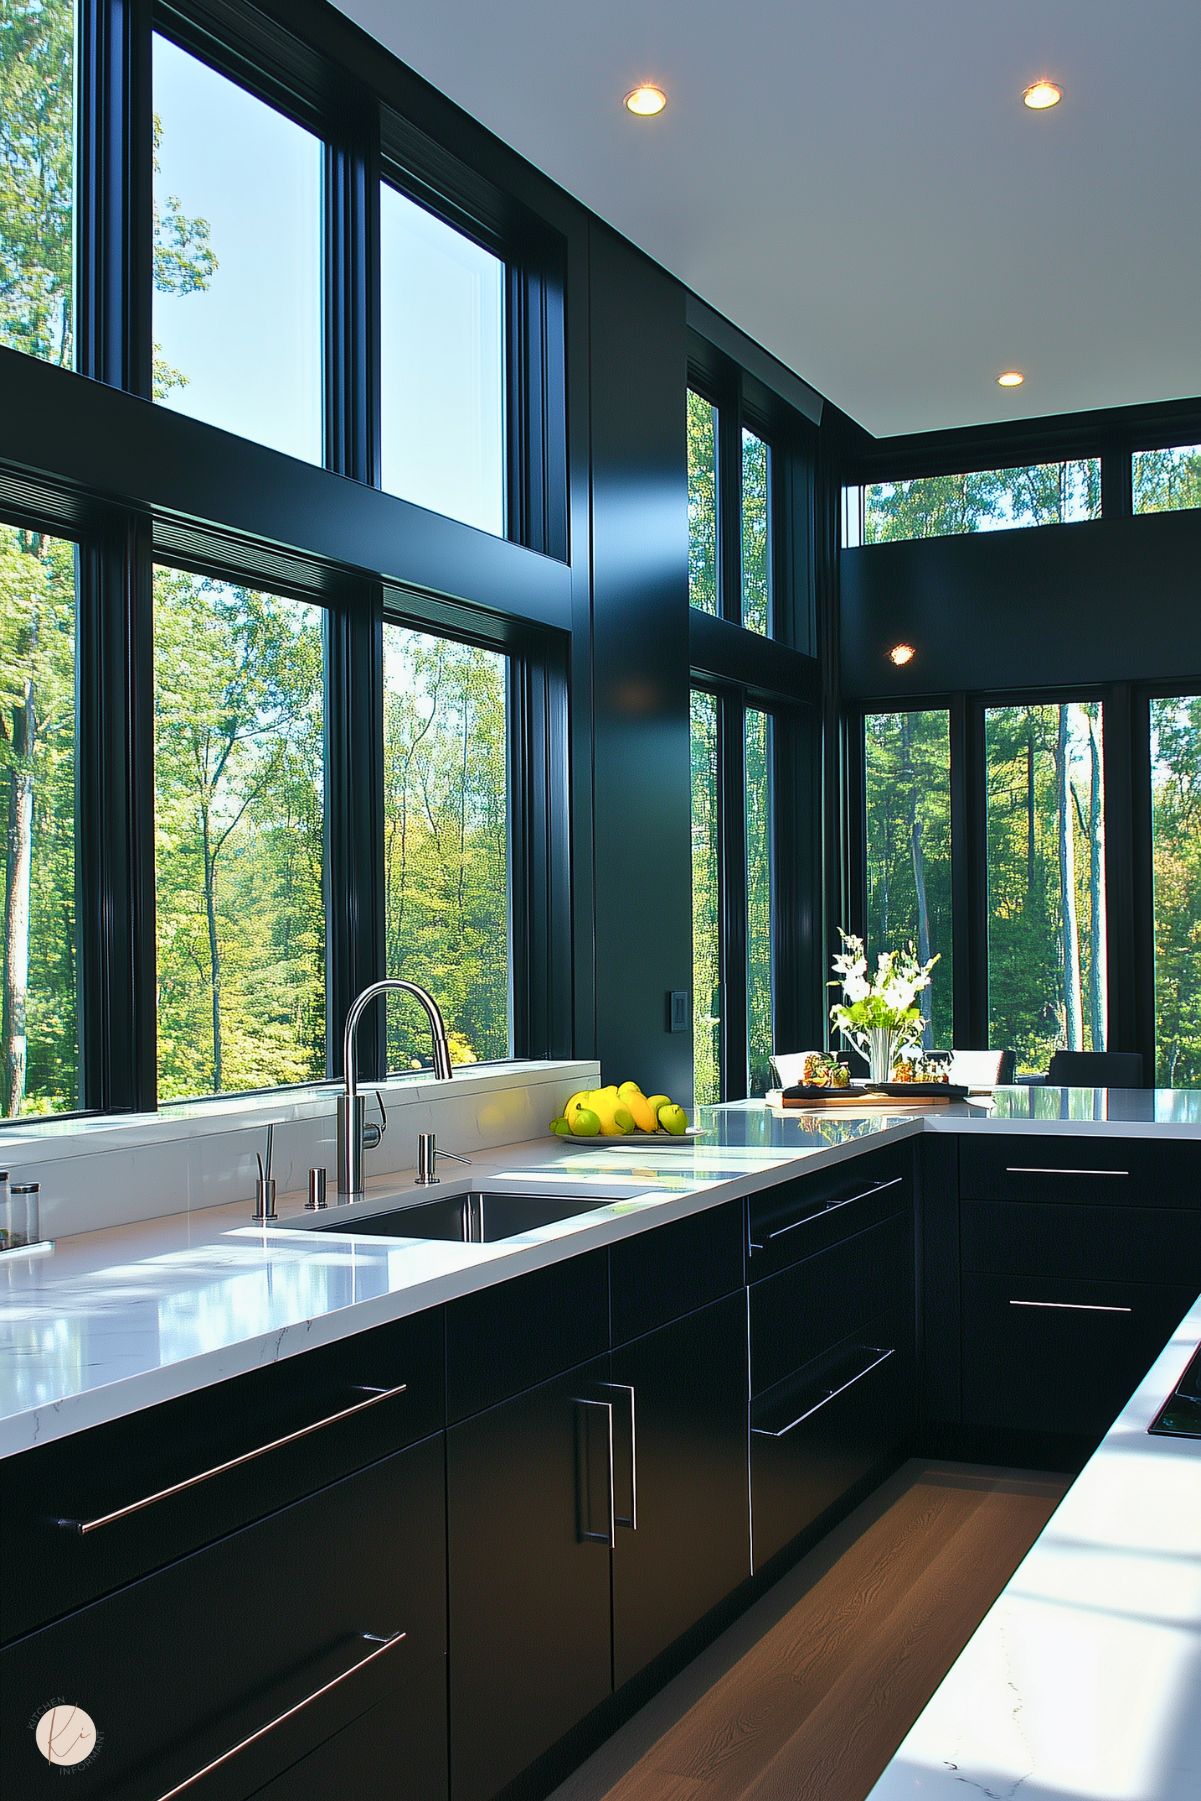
(641, 782)
(1055, 605)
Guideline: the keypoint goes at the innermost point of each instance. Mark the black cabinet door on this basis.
(679, 1402)
(215, 1676)
(530, 1487)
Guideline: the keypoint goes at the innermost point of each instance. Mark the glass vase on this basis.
(882, 1046)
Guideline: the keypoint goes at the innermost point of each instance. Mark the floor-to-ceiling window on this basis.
(1176, 850)
(907, 765)
(706, 901)
(1046, 880)
(760, 933)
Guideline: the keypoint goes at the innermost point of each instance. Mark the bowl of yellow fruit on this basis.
(622, 1112)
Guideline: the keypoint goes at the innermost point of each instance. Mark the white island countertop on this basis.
(1083, 1681)
(120, 1319)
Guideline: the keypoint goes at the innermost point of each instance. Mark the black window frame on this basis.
(743, 402)
(1129, 884)
(313, 68)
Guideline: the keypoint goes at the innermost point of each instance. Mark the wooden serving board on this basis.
(851, 1097)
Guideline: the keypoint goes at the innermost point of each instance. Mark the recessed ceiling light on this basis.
(645, 101)
(1042, 94)
(1012, 378)
(900, 654)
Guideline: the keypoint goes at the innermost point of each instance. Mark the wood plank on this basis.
(806, 1697)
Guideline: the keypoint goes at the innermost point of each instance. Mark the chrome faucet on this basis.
(352, 1106)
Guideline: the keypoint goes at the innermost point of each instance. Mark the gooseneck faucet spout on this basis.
(352, 1124)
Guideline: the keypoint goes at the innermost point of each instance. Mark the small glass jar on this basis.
(19, 1213)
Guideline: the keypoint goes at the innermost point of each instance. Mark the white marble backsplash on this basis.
(117, 1169)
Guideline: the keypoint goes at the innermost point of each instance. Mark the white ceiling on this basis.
(857, 185)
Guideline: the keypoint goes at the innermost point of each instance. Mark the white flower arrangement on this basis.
(883, 1004)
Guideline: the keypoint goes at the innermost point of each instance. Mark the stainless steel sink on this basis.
(477, 1217)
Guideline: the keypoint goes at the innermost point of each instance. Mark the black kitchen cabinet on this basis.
(817, 1435)
(530, 1525)
(244, 1661)
(1061, 1357)
(1078, 1256)
(215, 1461)
(832, 1340)
(680, 1430)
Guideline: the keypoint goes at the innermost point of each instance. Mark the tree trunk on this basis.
(1096, 895)
(1069, 933)
(917, 853)
(210, 908)
(1031, 860)
(17, 883)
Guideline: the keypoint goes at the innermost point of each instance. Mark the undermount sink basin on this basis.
(477, 1217)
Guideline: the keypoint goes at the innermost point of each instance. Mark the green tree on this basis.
(1166, 480)
(702, 503)
(239, 855)
(908, 768)
(706, 940)
(1176, 812)
(446, 850)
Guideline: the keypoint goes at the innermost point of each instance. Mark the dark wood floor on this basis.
(807, 1696)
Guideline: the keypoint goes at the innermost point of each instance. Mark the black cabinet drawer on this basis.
(1053, 1167)
(1057, 1356)
(663, 1274)
(795, 1219)
(1082, 1239)
(519, 1333)
(94, 1511)
(815, 1437)
(796, 1315)
(250, 1654)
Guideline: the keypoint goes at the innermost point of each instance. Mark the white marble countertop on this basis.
(1083, 1681)
(113, 1321)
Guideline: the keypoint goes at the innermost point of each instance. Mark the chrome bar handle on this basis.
(630, 1519)
(1043, 1169)
(371, 1638)
(1073, 1306)
(831, 1207)
(880, 1357)
(609, 1537)
(219, 1469)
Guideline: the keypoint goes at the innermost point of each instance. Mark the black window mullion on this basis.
(729, 513)
(351, 303)
(114, 199)
(539, 884)
(969, 873)
(116, 821)
(354, 821)
(1135, 884)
